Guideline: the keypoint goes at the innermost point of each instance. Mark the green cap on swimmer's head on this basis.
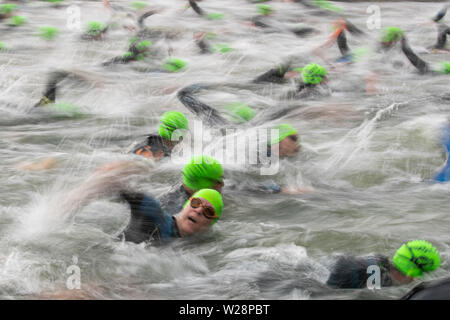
(284, 130)
(391, 34)
(214, 197)
(171, 121)
(313, 73)
(445, 67)
(240, 112)
(202, 172)
(174, 64)
(264, 9)
(416, 257)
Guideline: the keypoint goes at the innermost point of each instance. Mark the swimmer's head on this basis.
(203, 172)
(264, 9)
(240, 112)
(200, 212)
(313, 73)
(416, 257)
(171, 121)
(445, 67)
(391, 35)
(287, 143)
(174, 64)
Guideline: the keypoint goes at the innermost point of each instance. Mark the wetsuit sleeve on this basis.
(148, 221)
(441, 42)
(275, 75)
(196, 8)
(144, 16)
(200, 109)
(440, 14)
(420, 65)
(342, 44)
(49, 95)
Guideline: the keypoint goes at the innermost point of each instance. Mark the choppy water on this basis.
(368, 157)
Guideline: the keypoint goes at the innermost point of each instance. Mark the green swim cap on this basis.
(3, 46)
(48, 32)
(171, 121)
(391, 34)
(240, 112)
(214, 16)
(313, 73)
(143, 45)
(223, 48)
(174, 64)
(95, 28)
(16, 21)
(139, 5)
(7, 8)
(202, 172)
(445, 67)
(264, 9)
(214, 197)
(284, 130)
(416, 257)
(327, 5)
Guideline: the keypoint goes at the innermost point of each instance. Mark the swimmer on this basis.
(314, 83)
(409, 262)
(149, 222)
(55, 78)
(173, 125)
(201, 172)
(340, 38)
(420, 64)
(236, 113)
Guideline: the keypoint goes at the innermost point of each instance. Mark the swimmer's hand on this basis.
(296, 190)
(45, 164)
(107, 180)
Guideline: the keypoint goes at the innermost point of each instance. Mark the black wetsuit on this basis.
(274, 75)
(351, 272)
(420, 65)
(49, 95)
(148, 221)
(200, 109)
(152, 143)
(173, 201)
(441, 41)
(212, 117)
(430, 290)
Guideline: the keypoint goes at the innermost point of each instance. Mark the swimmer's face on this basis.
(192, 220)
(288, 147)
(218, 185)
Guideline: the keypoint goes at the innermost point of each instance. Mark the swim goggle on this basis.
(207, 211)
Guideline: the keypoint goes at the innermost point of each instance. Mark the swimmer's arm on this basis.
(441, 13)
(420, 65)
(296, 190)
(342, 44)
(107, 180)
(200, 109)
(196, 8)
